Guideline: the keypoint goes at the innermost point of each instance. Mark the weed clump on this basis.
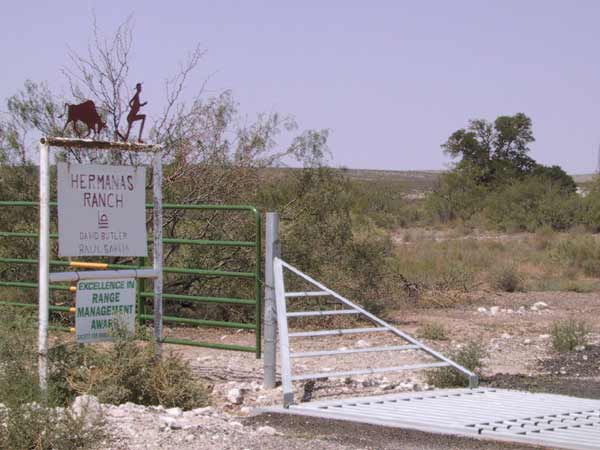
(569, 334)
(434, 331)
(507, 279)
(128, 371)
(470, 356)
(31, 420)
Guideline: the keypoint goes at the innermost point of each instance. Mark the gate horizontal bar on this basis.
(333, 312)
(58, 277)
(240, 348)
(313, 376)
(178, 241)
(29, 285)
(353, 350)
(150, 206)
(201, 322)
(206, 272)
(199, 298)
(337, 332)
(307, 294)
(218, 273)
(34, 306)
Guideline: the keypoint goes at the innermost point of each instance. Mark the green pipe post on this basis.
(257, 286)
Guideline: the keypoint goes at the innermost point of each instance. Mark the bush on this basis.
(582, 252)
(32, 420)
(569, 334)
(507, 279)
(530, 204)
(434, 331)
(127, 371)
(469, 356)
(33, 426)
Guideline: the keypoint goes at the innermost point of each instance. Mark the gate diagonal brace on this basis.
(350, 308)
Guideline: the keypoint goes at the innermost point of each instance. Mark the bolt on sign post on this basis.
(101, 212)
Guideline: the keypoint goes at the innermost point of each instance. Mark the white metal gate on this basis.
(349, 308)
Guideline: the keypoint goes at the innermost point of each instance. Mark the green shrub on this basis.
(127, 371)
(506, 279)
(530, 204)
(33, 426)
(569, 334)
(469, 356)
(32, 420)
(543, 238)
(580, 251)
(434, 331)
(456, 196)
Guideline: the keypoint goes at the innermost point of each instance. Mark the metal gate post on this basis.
(44, 266)
(157, 252)
(284, 341)
(272, 250)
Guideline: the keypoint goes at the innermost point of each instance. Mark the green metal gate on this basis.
(251, 274)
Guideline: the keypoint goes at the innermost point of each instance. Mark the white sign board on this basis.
(102, 304)
(101, 210)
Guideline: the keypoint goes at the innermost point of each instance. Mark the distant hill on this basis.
(583, 178)
(408, 180)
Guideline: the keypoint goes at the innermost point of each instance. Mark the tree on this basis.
(500, 150)
(212, 155)
(557, 176)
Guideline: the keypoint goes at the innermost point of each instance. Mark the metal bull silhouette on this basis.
(84, 112)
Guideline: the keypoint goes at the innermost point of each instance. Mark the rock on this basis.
(174, 412)
(544, 336)
(169, 422)
(481, 310)
(540, 305)
(580, 348)
(189, 438)
(235, 396)
(245, 410)
(88, 405)
(118, 413)
(534, 308)
(527, 342)
(362, 343)
(206, 411)
(494, 310)
(506, 336)
(267, 430)
(236, 425)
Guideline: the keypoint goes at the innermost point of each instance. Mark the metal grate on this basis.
(540, 419)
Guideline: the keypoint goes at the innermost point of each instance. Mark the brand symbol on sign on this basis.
(102, 221)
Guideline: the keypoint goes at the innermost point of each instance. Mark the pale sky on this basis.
(390, 79)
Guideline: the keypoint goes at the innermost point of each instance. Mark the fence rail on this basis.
(142, 317)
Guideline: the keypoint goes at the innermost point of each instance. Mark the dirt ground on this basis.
(515, 333)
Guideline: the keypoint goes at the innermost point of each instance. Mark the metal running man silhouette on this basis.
(134, 109)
